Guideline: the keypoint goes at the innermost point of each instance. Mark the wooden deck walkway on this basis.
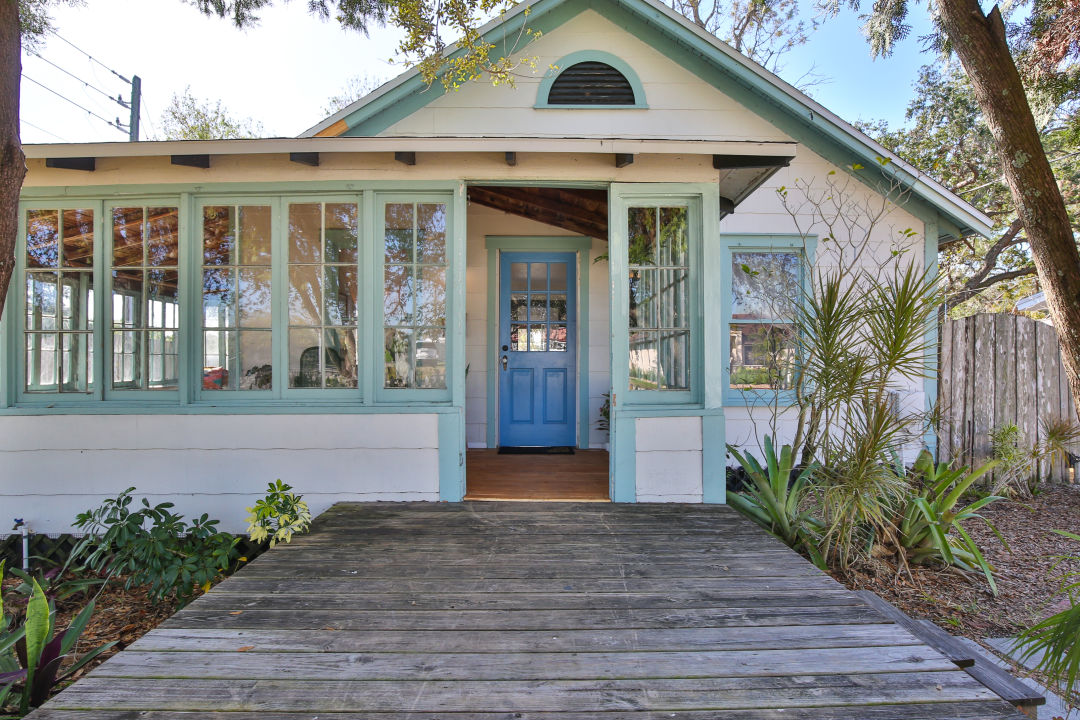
(493, 611)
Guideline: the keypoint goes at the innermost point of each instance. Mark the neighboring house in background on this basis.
(1035, 302)
(198, 318)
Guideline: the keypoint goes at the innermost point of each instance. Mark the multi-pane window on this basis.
(765, 287)
(145, 298)
(659, 263)
(414, 295)
(236, 298)
(58, 335)
(538, 307)
(323, 314)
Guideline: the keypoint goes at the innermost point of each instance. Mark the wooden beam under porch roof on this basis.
(578, 210)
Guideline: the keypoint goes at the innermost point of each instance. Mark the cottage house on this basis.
(429, 272)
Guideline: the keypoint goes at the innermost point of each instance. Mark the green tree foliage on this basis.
(947, 137)
(190, 118)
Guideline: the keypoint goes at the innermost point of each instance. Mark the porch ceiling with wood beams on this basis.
(585, 211)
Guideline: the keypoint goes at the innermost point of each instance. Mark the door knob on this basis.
(505, 360)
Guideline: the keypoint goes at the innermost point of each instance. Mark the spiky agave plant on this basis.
(774, 498)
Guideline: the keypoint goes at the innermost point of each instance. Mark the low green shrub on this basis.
(154, 547)
(278, 516)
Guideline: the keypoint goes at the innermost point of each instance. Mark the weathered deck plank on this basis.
(531, 612)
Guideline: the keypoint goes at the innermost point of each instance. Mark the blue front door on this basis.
(537, 358)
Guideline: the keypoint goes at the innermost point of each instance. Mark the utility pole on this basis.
(136, 101)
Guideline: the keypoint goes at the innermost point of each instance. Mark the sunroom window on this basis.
(58, 336)
(414, 295)
(145, 298)
(323, 293)
(237, 308)
(765, 287)
(659, 265)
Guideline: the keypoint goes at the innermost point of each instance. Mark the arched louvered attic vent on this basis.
(591, 83)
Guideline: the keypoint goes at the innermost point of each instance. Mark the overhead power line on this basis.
(92, 58)
(41, 129)
(85, 109)
(118, 100)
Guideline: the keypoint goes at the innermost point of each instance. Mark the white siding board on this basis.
(681, 105)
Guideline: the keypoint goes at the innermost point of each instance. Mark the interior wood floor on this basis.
(557, 611)
(581, 477)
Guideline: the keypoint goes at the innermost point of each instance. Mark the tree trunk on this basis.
(12, 161)
(980, 43)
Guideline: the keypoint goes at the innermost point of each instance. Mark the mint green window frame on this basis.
(363, 294)
(624, 197)
(142, 394)
(94, 338)
(590, 56)
(805, 247)
(385, 394)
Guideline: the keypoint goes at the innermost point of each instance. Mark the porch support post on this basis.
(930, 381)
(713, 452)
(623, 425)
(452, 424)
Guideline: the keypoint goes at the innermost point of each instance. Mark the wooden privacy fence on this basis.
(998, 369)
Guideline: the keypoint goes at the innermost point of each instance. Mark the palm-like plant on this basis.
(931, 530)
(774, 498)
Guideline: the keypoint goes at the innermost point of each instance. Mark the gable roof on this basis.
(718, 64)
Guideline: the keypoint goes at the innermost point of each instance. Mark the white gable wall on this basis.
(681, 105)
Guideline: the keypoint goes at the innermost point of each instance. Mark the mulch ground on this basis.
(1029, 571)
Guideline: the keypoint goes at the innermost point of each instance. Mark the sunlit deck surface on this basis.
(527, 611)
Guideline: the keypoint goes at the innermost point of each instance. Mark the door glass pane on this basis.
(643, 351)
(163, 237)
(558, 308)
(304, 368)
(641, 227)
(305, 233)
(342, 232)
(398, 295)
(339, 365)
(398, 347)
(256, 368)
(538, 307)
(674, 236)
(127, 237)
(519, 338)
(557, 338)
(78, 250)
(255, 303)
(431, 358)
(519, 305)
(558, 277)
(538, 279)
(537, 338)
(519, 276)
(305, 295)
(341, 295)
(219, 235)
(399, 237)
(42, 233)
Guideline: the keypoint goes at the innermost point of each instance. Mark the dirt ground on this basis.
(1029, 572)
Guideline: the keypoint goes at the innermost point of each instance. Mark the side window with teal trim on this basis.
(766, 287)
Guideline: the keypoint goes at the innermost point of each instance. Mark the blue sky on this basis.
(282, 72)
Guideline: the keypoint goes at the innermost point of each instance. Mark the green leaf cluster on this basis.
(154, 547)
(278, 516)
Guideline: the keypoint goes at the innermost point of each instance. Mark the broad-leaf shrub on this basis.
(153, 547)
(278, 516)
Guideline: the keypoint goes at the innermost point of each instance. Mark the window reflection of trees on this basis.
(323, 293)
(414, 295)
(659, 289)
(765, 289)
(58, 335)
(145, 298)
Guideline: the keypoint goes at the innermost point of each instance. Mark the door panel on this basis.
(538, 340)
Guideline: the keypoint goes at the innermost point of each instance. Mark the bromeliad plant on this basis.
(278, 516)
(930, 529)
(39, 653)
(774, 499)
